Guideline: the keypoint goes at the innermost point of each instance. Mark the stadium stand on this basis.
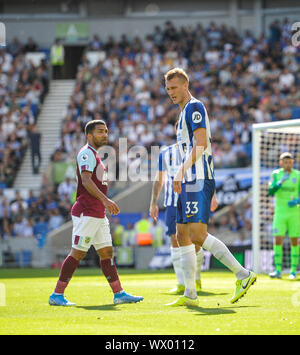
(23, 87)
(241, 80)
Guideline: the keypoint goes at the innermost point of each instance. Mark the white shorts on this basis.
(88, 231)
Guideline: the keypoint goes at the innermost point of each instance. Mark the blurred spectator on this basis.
(5, 209)
(41, 230)
(158, 233)
(66, 189)
(143, 227)
(275, 32)
(129, 236)
(35, 147)
(31, 198)
(30, 46)
(15, 47)
(28, 228)
(117, 232)
(18, 205)
(55, 220)
(19, 226)
(95, 44)
(244, 237)
(57, 57)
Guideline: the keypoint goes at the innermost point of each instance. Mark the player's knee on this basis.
(105, 253)
(198, 240)
(77, 254)
(183, 239)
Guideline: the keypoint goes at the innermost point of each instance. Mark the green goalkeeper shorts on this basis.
(283, 223)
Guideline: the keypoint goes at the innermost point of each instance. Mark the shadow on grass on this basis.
(199, 293)
(215, 311)
(104, 307)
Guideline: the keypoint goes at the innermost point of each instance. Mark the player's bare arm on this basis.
(214, 203)
(156, 190)
(194, 156)
(91, 187)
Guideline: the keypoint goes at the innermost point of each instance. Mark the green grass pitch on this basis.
(269, 307)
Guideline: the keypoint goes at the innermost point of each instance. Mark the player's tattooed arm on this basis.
(92, 189)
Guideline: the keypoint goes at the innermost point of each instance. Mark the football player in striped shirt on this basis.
(90, 224)
(168, 163)
(195, 184)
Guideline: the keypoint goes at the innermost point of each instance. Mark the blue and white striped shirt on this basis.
(169, 161)
(194, 116)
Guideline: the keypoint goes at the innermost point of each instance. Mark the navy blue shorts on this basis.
(170, 220)
(193, 205)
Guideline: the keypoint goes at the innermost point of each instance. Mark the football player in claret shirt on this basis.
(90, 224)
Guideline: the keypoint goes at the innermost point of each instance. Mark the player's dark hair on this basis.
(90, 126)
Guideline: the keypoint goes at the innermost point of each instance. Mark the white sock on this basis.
(176, 260)
(222, 253)
(188, 261)
(199, 256)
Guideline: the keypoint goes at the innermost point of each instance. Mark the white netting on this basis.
(273, 142)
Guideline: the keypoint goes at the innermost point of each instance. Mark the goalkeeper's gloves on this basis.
(273, 188)
(283, 179)
(294, 202)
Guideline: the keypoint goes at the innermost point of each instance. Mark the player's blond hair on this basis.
(176, 72)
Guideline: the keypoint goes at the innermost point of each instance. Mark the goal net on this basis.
(269, 141)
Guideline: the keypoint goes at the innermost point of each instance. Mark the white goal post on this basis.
(269, 140)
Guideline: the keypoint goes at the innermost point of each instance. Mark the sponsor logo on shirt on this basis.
(84, 157)
(196, 117)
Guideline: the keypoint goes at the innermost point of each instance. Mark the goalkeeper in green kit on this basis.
(285, 186)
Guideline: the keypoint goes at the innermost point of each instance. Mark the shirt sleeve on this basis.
(161, 164)
(86, 161)
(272, 188)
(196, 115)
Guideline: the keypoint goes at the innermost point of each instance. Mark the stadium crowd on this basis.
(241, 80)
(23, 87)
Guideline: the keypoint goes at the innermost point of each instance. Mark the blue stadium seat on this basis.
(23, 258)
(295, 112)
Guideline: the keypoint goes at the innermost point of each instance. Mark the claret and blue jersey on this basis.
(86, 204)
